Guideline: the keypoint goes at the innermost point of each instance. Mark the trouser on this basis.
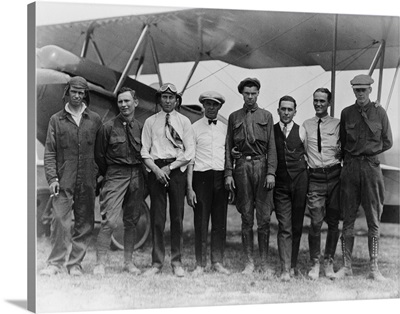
(212, 201)
(78, 203)
(123, 190)
(323, 204)
(176, 191)
(290, 203)
(249, 176)
(362, 184)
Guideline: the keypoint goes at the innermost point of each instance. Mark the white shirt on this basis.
(209, 145)
(155, 144)
(76, 116)
(289, 126)
(329, 141)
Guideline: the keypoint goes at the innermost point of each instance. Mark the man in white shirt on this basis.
(167, 148)
(323, 153)
(206, 192)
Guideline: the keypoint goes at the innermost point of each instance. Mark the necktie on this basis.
(364, 115)
(285, 130)
(249, 128)
(171, 134)
(319, 136)
(212, 121)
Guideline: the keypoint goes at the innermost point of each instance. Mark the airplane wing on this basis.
(232, 36)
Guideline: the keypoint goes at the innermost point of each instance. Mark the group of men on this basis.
(328, 166)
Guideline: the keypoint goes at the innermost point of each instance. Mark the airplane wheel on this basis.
(142, 229)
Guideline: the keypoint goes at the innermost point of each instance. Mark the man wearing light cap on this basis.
(251, 135)
(71, 173)
(365, 133)
(168, 147)
(206, 192)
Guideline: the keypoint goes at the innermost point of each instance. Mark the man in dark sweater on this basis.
(290, 186)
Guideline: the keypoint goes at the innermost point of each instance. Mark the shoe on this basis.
(198, 271)
(131, 268)
(75, 271)
(328, 269)
(267, 272)
(178, 271)
(313, 274)
(99, 270)
(217, 267)
(248, 270)
(50, 270)
(285, 276)
(151, 271)
(294, 272)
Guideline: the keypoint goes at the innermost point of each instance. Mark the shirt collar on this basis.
(67, 109)
(289, 125)
(254, 108)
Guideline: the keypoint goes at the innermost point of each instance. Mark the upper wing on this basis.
(250, 39)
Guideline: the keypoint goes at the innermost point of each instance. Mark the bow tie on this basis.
(212, 121)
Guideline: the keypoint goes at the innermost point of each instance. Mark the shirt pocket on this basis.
(351, 132)
(238, 131)
(117, 146)
(261, 131)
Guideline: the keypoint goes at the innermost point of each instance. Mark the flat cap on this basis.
(211, 95)
(361, 81)
(248, 80)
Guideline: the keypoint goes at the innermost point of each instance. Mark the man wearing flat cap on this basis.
(167, 148)
(71, 173)
(250, 136)
(365, 133)
(206, 192)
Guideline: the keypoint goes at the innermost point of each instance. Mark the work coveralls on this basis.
(69, 158)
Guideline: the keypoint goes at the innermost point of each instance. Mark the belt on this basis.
(252, 157)
(325, 169)
(164, 162)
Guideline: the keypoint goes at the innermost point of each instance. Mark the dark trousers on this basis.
(79, 204)
(176, 191)
(290, 204)
(249, 176)
(362, 184)
(123, 190)
(212, 201)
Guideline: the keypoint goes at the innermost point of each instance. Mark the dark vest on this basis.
(291, 160)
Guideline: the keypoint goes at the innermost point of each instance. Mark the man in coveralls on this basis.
(251, 133)
(206, 191)
(291, 185)
(365, 133)
(71, 173)
(117, 154)
(168, 146)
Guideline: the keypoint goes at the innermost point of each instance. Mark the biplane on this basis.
(115, 52)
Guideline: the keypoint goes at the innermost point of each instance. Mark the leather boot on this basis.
(373, 247)
(314, 243)
(129, 244)
(330, 249)
(263, 246)
(248, 248)
(347, 249)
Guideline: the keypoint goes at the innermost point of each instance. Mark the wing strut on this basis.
(130, 61)
(155, 59)
(89, 39)
(393, 85)
(333, 72)
(191, 74)
(380, 55)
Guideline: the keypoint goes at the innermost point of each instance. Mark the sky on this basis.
(13, 265)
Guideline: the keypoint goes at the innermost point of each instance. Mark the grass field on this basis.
(119, 290)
